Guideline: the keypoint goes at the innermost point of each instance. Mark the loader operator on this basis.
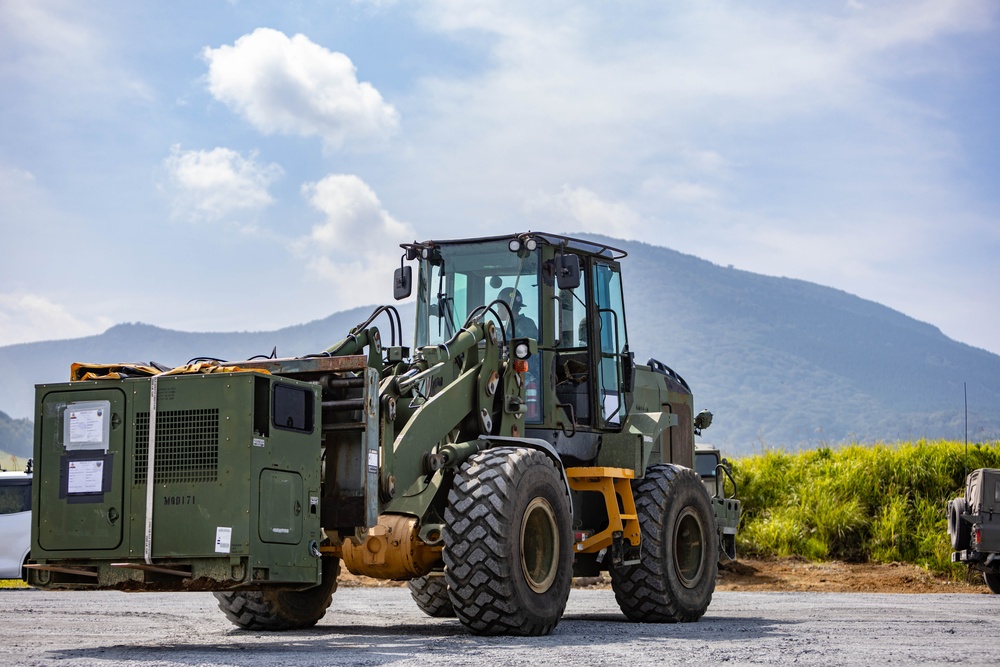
(524, 326)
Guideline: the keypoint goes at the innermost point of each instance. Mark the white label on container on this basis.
(373, 461)
(86, 426)
(223, 539)
(85, 477)
(259, 442)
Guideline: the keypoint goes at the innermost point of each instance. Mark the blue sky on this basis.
(229, 166)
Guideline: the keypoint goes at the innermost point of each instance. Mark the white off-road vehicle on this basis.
(974, 525)
(15, 523)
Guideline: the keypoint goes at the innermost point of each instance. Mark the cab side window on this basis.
(612, 342)
(15, 498)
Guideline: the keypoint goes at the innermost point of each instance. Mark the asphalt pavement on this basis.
(382, 626)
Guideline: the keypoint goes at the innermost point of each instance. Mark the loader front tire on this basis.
(271, 609)
(508, 543)
(675, 576)
(431, 595)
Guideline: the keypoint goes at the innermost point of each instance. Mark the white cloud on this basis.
(583, 210)
(356, 247)
(353, 212)
(219, 183)
(293, 86)
(688, 192)
(603, 95)
(28, 317)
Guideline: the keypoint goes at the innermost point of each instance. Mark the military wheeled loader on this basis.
(516, 446)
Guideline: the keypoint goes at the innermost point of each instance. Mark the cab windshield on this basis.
(460, 278)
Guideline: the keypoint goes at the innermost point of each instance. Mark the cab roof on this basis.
(567, 243)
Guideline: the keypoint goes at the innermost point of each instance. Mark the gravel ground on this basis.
(381, 626)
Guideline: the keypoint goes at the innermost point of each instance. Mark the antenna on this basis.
(965, 390)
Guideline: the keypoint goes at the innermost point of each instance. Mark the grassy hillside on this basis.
(15, 438)
(881, 503)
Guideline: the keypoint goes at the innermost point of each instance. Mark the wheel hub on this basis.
(689, 545)
(539, 545)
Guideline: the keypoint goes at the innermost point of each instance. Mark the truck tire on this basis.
(959, 531)
(508, 543)
(282, 609)
(992, 580)
(431, 595)
(675, 576)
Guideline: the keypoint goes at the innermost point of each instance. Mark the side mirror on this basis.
(628, 371)
(702, 421)
(402, 283)
(567, 271)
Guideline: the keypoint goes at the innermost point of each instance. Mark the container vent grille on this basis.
(187, 446)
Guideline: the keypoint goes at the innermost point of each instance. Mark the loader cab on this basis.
(566, 293)
(459, 280)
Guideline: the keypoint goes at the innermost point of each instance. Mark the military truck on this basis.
(974, 525)
(715, 472)
(517, 445)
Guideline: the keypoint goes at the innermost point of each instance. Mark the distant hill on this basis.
(780, 362)
(25, 365)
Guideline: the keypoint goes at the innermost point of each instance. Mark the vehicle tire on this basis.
(431, 595)
(992, 580)
(272, 609)
(508, 543)
(675, 577)
(959, 531)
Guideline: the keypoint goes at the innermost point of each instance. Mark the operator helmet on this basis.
(511, 296)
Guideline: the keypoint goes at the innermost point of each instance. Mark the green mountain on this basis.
(780, 362)
(791, 363)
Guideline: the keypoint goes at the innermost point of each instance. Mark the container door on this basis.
(79, 471)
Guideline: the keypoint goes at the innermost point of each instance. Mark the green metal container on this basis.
(235, 487)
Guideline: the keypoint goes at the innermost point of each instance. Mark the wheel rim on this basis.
(689, 547)
(539, 545)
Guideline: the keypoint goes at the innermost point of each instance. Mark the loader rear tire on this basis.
(508, 543)
(992, 580)
(431, 595)
(271, 609)
(675, 576)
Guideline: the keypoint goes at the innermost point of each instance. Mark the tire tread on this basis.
(478, 525)
(276, 610)
(643, 590)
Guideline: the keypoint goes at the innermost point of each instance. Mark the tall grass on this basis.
(879, 503)
(11, 462)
